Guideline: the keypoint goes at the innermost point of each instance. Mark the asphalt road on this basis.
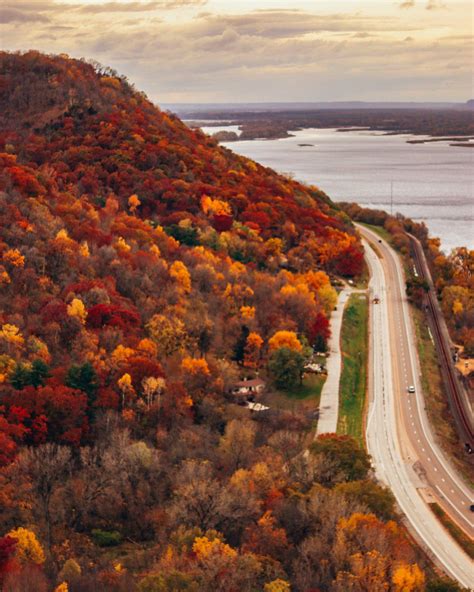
(399, 438)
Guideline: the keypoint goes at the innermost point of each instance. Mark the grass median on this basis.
(354, 347)
(458, 535)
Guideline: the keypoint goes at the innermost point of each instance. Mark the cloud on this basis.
(138, 6)
(435, 5)
(13, 15)
(290, 23)
(256, 55)
(430, 5)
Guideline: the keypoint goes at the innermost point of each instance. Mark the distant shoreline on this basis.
(435, 125)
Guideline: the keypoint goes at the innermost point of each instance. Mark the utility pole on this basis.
(391, 198)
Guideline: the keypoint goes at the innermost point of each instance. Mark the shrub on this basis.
(106, 538)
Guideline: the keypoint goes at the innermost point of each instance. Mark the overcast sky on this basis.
(265, 50)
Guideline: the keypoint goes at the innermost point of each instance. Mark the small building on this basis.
(248, 389)
(256, 406)
(313, 368)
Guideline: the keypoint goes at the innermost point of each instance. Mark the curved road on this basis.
(399, 437)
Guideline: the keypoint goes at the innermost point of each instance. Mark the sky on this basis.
(261, 51)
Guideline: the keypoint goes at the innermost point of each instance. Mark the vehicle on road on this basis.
(471, 507)
(411, 389)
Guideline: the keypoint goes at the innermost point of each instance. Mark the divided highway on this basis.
(399, 438)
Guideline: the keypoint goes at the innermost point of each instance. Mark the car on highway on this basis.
(471, 507)
(411, 389)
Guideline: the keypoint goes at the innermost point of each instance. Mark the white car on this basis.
(411, 389)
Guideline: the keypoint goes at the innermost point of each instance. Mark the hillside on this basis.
(143, 271)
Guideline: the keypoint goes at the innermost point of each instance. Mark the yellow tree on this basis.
(247, 312)
(133, 203)
(408, 578)
(77, 309)
(148, 348)
(252, 350)
(278, 585)
(205, 549)
(179, 272)
(14, 258)
(195, 366)
(168, 333)
(28, 547)
(84, 249)
(12, 336)
(125, 387)
(121, 354)
(152, 387)
(327, 295)
(286, 339)
(5, 279)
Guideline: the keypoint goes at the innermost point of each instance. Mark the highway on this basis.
(399, 438)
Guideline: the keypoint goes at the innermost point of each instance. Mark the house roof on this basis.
(249, 383)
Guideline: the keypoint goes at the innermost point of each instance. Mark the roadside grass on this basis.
(352, 388)
(457, 533)
(437, 407)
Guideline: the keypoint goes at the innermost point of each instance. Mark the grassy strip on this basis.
(458, 535)
(352, 388)
(437, 406)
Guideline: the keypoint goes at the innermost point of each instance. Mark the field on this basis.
(352, 390)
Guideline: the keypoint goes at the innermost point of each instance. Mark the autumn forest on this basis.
(146, 271)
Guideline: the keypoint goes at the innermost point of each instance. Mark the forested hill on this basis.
(143, 272)
(102, 140)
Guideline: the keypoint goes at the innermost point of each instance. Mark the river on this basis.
(433, 182)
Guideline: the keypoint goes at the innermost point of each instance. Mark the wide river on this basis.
(433, 182)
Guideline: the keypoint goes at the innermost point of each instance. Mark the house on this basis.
(256, 406)
(314, 368)
(248, 389)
